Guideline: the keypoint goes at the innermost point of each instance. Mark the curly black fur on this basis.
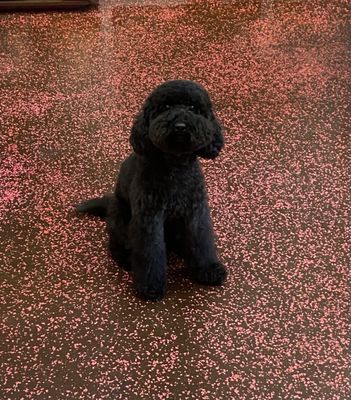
(160, 201)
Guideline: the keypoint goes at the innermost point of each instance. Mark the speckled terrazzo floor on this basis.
(71, 326)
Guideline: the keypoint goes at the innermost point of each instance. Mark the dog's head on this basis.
(177, 119)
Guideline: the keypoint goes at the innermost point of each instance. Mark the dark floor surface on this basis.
(71, 83)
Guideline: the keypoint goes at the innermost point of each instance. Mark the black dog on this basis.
(160, 201)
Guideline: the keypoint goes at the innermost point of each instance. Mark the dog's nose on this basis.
(180, 126)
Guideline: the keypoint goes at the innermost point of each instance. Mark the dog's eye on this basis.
(191, 107)
(167, 107)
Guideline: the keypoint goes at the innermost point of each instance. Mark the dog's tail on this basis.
(97, 206)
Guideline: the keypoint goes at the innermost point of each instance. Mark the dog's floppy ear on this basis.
(139, 138)
(213, 149)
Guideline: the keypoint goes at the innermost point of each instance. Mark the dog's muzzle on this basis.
(179, 132)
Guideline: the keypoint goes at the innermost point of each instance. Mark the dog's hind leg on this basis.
(118, 218)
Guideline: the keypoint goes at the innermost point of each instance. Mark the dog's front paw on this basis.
(151, 292)
(121, 257)
(215, 274)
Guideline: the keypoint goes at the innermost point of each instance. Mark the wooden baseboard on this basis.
(18, 5)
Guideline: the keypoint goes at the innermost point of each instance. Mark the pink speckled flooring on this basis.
(71, 326)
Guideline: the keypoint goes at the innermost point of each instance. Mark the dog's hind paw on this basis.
(214, 274)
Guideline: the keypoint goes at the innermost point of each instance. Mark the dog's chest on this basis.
(183, 194)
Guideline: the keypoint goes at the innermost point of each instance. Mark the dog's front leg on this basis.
(201, 255)
(148, 255)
